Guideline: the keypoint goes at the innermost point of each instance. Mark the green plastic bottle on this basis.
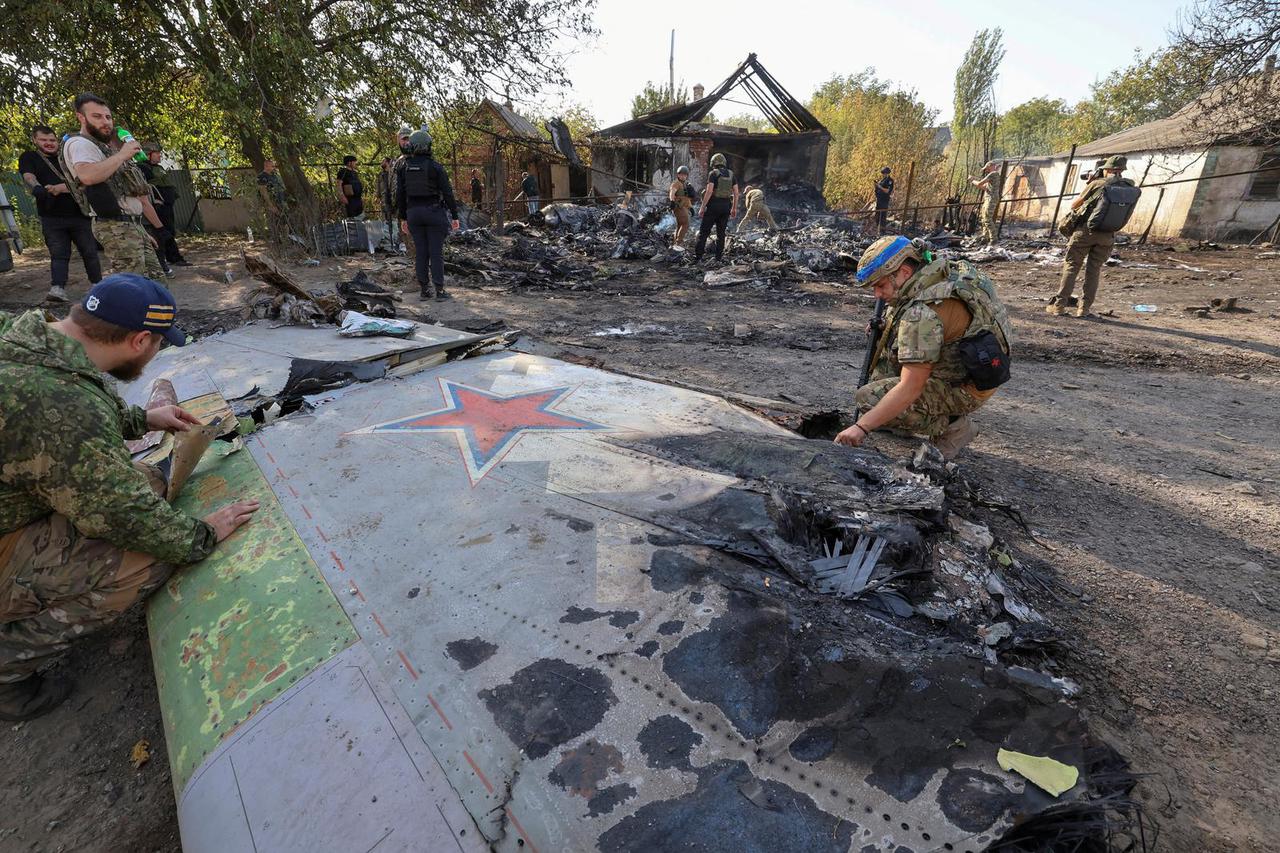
(126, 136)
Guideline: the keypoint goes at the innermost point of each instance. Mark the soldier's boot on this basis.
(33, 697)
(57, 293)
(425, 291)
(956, 437)
(441, 293)
(1055, 307)
(1083, 310)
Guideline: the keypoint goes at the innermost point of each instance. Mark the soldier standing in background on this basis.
(993, 188)
(681, 196)
(719, 205)
(1089, 245)
(61, 220)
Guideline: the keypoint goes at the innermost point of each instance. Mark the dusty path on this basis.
(1141, 448)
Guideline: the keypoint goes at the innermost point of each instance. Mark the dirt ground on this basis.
(1140, 447)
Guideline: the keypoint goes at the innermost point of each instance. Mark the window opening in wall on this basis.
(1266, 185)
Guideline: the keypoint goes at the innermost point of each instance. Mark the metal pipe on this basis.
(911, 178)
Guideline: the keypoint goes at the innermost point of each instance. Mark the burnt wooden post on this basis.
(1066, 174)
(1154, 211)
(911, 177)
(1004, 205)
(500, 188)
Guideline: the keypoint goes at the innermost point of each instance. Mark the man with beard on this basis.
(110, 188)
(60, 216)
(84, 533)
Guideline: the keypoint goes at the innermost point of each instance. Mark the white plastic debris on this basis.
(357, 325)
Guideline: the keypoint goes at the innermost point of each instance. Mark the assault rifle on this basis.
(874, 329)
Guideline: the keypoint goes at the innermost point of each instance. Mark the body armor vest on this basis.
(420, 182)
(724, 184)
(948, 280)
(102, 199)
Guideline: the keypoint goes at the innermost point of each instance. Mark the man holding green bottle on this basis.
(110, 188)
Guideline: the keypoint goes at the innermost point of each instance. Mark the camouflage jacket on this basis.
(62, 434)
(913, 331)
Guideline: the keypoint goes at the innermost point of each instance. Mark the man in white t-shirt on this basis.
(108, 187)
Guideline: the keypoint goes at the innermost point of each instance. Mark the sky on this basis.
(1053, 49)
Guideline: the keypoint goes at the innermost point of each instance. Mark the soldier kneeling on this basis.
(943, 350)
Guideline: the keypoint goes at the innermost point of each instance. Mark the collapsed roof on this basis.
(784, 112)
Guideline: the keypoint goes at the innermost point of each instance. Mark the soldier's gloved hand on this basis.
(228, 519)
(171, 419)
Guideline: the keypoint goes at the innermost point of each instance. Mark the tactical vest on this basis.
(420, 183)
(128, 181)
(938, 281)
(724, 184)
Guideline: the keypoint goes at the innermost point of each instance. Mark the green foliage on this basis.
(872, 125)
(287, 78)
(755, 124)
(974, 123)
(1032, 128)
(653, 98)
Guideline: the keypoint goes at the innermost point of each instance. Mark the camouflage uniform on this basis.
(990, 206)
(913, 334)
(1090, 249)
(83, 533)
(127, 247)
(757, 210)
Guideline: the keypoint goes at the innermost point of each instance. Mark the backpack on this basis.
(1114, 207)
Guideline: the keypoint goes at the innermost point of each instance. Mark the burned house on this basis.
(642, 155)
(1212, 170)
(503, 144)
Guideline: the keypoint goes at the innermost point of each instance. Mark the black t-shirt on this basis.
(48, 175)
(884, 189)
(352, 177)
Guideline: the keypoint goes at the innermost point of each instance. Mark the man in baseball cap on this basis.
(84, 533)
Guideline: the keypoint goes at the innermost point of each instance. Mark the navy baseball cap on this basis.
(137, 303)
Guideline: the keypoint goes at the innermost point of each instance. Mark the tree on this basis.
(1034, 127)
(267, 67)
(973, 125)
(754, 124)
(653, 98)
(1230, 46)
(872, 125)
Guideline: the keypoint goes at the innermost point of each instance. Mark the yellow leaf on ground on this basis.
(140, 754)
(1045, 773)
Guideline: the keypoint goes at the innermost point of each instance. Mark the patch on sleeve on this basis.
(919, 335)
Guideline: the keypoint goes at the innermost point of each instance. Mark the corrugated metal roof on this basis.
(518, 124)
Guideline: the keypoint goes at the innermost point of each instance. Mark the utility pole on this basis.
(671, 70)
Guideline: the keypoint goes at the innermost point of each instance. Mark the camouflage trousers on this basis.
(989, 225)
(126, 247)
(57, 586)
(932, 411)
(1091, 251)
(757, 213)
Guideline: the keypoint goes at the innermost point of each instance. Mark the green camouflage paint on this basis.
(232, 632)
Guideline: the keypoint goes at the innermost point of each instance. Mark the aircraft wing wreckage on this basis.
(506, 602)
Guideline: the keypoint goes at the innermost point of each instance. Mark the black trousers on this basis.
(169, 216)
(428, 226)
(59, 233)
(355, 207)
(715, 215)
(882, 215)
